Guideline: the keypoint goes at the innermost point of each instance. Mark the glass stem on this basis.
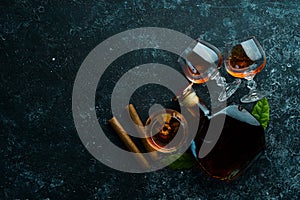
(251, 84)
(221, 81)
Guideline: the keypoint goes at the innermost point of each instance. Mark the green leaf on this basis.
(185, 161)
(261, 111)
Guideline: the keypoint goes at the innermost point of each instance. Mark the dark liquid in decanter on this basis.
(239, 144)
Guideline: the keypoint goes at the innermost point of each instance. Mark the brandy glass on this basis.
(162, 127)
(200, 62)
(244, 59)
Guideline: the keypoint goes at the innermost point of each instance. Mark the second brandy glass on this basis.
(200, 62)
(244, 59)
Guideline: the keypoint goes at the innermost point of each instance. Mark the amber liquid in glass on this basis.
(200, 62)
(195, 72)
(163, 128)
(239, 64)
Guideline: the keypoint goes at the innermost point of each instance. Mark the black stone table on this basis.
(42, 45)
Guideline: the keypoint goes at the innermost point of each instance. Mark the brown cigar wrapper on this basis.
(137, 120)
(128, 141)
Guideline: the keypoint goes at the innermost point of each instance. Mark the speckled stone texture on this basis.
(42, 45)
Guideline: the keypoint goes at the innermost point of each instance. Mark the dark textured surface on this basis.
(43, 43)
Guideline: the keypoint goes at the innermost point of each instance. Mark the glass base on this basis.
(229, 90)
(253, 96)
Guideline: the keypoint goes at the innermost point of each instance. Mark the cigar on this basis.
(140, 128)
(128, 141)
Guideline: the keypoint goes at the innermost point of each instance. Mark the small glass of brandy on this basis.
(166, 130)
(244, 59)
(200, 62)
